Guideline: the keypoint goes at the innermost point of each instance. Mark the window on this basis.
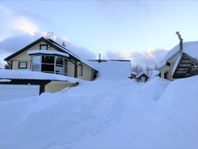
(47, 64)
(36, 63)
(43, 47)
(48, 59)
(166, 75)
(22, 65)
(59, 61)
(80, 70)
(59, 65)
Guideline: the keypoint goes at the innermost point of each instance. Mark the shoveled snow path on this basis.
(64, 118)
(111, 109)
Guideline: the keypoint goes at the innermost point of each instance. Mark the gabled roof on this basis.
(53, 44)
(48, 41)
(23, 49)
(142, 74)
(185, 66)
(190, 48)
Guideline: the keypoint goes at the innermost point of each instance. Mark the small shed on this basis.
(142, 77)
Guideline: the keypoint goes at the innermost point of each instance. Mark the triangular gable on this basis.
(31, 45)
(23, 49)
(187, 66)
(51, 43)
(142, 74)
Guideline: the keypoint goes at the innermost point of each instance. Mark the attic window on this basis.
(168, 63)
(43, 47)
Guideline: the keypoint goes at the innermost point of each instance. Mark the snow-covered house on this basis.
(180, 63)
(46, 55)
(142, 77)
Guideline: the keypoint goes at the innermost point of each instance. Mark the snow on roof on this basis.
(113, 70)
(191, 48)
(134, 73)
(32, 75)
(176, 64)
(142, 73)
(50, 52)
(63, 48)
(71, 53)
(5, 80)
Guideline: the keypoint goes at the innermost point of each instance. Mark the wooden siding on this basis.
(188, 66)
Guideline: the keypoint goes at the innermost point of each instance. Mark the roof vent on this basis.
(50, 35)
(63, 44)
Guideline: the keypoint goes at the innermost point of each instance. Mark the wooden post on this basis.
(75, 69)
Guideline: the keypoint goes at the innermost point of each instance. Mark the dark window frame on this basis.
(166, 75)
(19, 65)
(46, 45)
(45, 66)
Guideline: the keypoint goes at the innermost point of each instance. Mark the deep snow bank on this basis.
(112, 112)
(180, 104)
(153, 120)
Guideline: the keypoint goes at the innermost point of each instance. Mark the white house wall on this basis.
(169, 69)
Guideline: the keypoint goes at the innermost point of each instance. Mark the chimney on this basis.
(99, 58)
(180, 42)
(63, 44)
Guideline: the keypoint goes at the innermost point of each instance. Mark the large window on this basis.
(36, 63)
(59, 65)
(47, 64)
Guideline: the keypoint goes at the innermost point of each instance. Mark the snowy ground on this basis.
(112, 112)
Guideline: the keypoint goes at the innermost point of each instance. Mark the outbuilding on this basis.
(142, 77)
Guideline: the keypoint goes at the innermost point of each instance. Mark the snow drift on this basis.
(112, 112)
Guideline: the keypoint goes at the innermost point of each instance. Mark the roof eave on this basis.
(23, 49)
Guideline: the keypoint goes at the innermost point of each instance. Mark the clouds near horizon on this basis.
(18, 30)
(149, 57)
